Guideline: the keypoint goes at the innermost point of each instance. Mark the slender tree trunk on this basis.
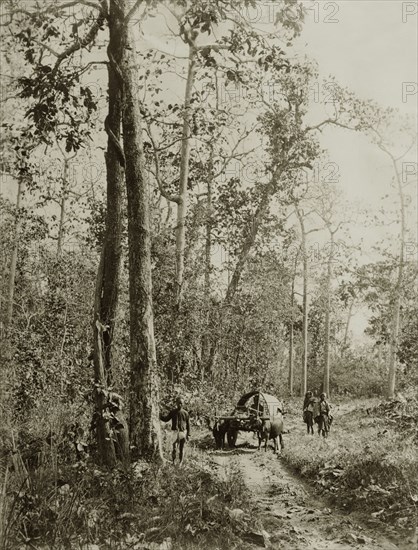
(5, 343)
(291, 331)
(305, 304)
(207, 287)
(397, 292)
(328, 317)
(291, 356)
(305, 308)
(144, 397)
(381, 355)
(64, 192)
(13, 262)
(184, 177)
(208, 242)
(249, 241)
(347, 325)
(107, 283)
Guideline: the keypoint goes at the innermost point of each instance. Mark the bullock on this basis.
(219, 431)
(219, 428)
(270, 429)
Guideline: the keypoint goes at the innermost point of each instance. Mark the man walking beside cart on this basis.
(180, 428)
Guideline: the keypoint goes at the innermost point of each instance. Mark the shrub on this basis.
(59, 505)
(368, 462)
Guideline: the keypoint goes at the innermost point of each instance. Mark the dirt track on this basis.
(292, 516)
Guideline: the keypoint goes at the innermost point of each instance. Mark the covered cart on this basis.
(250, 407)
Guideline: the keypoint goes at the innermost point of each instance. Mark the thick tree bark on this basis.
(107, 284)
(144, 391)
(184, 176)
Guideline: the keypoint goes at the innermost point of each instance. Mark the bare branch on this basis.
(131, 12)
(53, 8)
(328, 121)
(215, 47)
(233, 151)
(407, 151)
(46, 47)
(88, 39)
(91, 64)
(164, 193)
(163, 148)
(168, 54)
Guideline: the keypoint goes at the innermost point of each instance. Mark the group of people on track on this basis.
(314, 410)
(318, 411)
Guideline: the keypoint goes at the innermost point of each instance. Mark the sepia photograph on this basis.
(208, 274)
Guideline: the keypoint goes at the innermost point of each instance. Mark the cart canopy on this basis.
(261, 404)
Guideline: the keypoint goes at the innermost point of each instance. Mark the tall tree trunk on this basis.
(5, 342)
(184, 176)
(305, 310)
(397, 291)
(144, 391)
(291, 354)
(13, 262)
(207, 288)
(107, 283)
(64, 191)
(248, 243)
(328, 317)
(305, 305)
(347, 325)
(250, 238)
(305, 298)
(291, 331)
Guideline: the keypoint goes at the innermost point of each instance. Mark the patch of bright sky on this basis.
(372, 47)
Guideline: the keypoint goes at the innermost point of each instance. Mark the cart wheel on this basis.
(232, 438)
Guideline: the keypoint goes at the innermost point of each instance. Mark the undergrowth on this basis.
(61, 505)
(369, 462)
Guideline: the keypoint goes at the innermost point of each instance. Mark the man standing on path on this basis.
(324, 411)
(180, 427)
(308, 411)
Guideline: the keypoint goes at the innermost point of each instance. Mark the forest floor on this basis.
(293, 517)
(358, 488)
(296, 509)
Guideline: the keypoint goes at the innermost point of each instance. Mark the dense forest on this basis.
(172, 224)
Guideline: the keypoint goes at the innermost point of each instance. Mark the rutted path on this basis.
(292, 516)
